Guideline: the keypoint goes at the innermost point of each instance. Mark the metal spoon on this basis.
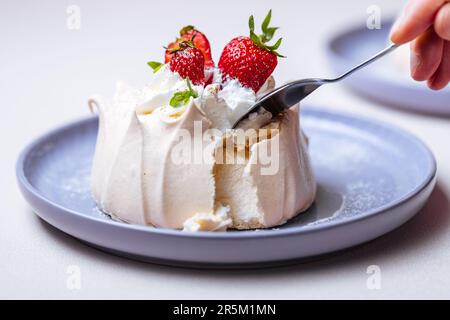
(292, 93)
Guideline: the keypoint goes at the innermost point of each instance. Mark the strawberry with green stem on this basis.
(188, 62)
(200, 41)
(185, 51)
(251, 60)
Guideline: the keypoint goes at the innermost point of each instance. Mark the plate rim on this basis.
(26, 186)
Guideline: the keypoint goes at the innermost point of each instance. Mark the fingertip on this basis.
(442, 22)
(394, 34)
(436, 85)
(431, 84)
(441, 78)
(398, 33)
(394, 37)
(426, 55)
(416, 18)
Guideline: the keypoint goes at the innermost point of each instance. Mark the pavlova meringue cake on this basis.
(166, 155)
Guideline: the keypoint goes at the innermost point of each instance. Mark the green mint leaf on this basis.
(155, 65)
(179, 99)
(266, 22)
(182, 98)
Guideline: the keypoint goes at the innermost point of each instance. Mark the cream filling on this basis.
(265, 200)
(224, 106)
(220, 220)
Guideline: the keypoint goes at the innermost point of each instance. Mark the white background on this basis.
(47, 73)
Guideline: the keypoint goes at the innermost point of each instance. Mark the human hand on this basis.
(426, 23)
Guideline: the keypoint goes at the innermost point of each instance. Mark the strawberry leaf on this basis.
(276, 45)
(256, 40)
(266, 22)
(186, 29)
(251, 24)
(278, 55)
(182, 45)
(266, 36)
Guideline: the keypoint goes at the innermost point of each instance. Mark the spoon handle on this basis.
(298, 90)
(380, 54)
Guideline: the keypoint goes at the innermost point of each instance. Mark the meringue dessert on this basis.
(166, 155)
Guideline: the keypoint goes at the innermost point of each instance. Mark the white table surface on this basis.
(46, 74)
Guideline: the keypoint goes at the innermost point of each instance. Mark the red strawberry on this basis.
(243, 60)
(189, 33)
(169, 54)
(249, 59)
(189, 62)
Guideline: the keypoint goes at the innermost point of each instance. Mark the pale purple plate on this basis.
(372, 178)
(382, 81)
